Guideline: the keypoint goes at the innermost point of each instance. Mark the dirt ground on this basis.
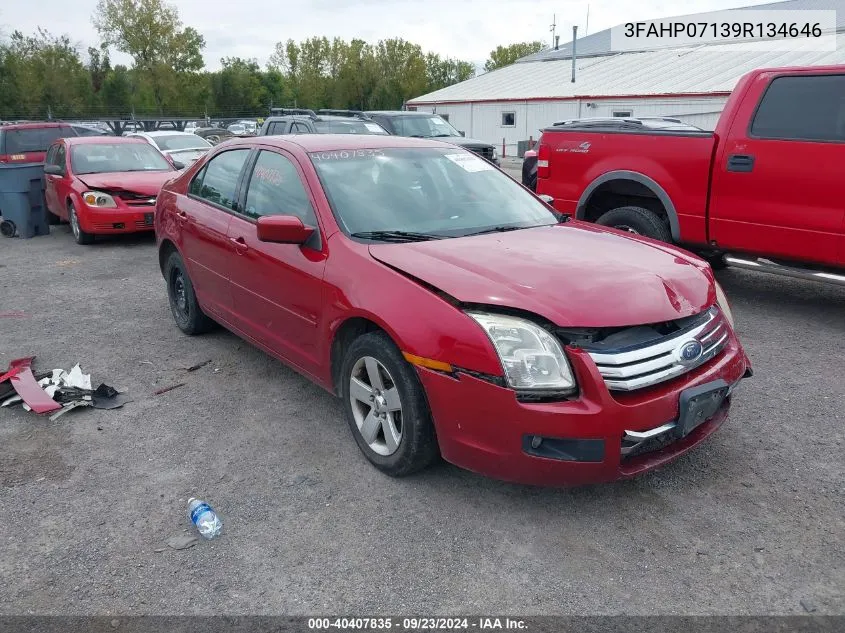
(751, 522)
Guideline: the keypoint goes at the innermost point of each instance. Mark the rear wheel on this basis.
(637, 220)
(79, 235)
(386, 407)
(186, 309)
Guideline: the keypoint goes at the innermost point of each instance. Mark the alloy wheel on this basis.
(376, 405)
(74, 222)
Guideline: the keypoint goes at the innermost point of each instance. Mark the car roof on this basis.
(330, 142)
(401, 112)
(156, 133)
(102, 140)
(33, 124)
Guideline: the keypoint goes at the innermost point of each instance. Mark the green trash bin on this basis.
(23, 212)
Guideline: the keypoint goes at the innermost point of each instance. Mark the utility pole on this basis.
(553, 27)
(587, 26)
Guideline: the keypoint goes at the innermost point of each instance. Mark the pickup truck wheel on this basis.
(637, 220)
(717, 262)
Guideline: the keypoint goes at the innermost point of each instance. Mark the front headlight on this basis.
(495, 154)
(99, 199)
(722, 301)
(531, 357)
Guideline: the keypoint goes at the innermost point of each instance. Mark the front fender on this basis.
(418, 319)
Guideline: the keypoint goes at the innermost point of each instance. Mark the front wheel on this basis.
(386, 408)
(637, 220)
(79, 235)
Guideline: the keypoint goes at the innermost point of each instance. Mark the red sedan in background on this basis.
(105, 184)
(454, 312)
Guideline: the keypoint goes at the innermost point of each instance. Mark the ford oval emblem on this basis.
(690, 352)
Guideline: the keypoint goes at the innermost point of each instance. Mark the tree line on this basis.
(43, 75)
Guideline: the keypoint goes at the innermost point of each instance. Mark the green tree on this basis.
(43, 75)
(237, 89)
(503, 56)
(152, 33)
(116, 94)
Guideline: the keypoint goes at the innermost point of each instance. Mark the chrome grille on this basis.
(628, 369)
(484, 152)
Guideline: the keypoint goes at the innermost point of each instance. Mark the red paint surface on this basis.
(789, 206)
(62, 190)
(290, 300)
(28, 388)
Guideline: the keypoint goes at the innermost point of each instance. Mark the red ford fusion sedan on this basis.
(104, 184)
(454, 312)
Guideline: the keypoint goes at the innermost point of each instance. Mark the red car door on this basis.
(777, 185)
(277, 288)
(203, 217)
(50, 194)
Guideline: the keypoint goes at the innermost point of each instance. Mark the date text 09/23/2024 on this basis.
(417, 623)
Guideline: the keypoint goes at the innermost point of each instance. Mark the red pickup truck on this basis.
(764, 191)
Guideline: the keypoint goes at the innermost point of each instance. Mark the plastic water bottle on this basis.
(204, 518)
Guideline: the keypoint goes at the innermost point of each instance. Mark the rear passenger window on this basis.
(36, 139)
(810, 108)
(219, 179)
(275, 188)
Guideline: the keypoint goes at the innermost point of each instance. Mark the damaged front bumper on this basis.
(597, 436)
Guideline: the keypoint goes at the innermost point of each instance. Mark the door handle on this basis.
(240, 244)
(740, 162)
(181, 215)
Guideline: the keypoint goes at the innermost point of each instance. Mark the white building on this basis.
(691, 83)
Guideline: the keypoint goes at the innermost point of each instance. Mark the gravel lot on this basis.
(750, 523)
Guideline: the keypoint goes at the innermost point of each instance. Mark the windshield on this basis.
(34, 139)
(180, 141)
(445, 192)
(102, 158)
(424, 126)
(349, 127)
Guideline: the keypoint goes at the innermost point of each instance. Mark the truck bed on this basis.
(583, 158)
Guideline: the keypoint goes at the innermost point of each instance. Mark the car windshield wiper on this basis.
(442, 135)
(397, 236)
(497, 229)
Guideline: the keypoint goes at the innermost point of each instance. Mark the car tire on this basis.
(717, 261)
(79, 235)
(416, 447)
(529, 174)
(183, 302)
(637, 220)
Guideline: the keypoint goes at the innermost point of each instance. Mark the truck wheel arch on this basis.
(641, 179)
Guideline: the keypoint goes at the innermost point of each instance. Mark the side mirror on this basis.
(283, 229)
(463, 133)
(178, 164)
(53, 170)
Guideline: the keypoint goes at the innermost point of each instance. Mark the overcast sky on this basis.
(465, 29)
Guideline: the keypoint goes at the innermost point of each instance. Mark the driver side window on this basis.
(275, 188)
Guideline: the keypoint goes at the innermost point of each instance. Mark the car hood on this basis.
(573, 274)
(146, 183)
(186, 155)
(463, 141)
